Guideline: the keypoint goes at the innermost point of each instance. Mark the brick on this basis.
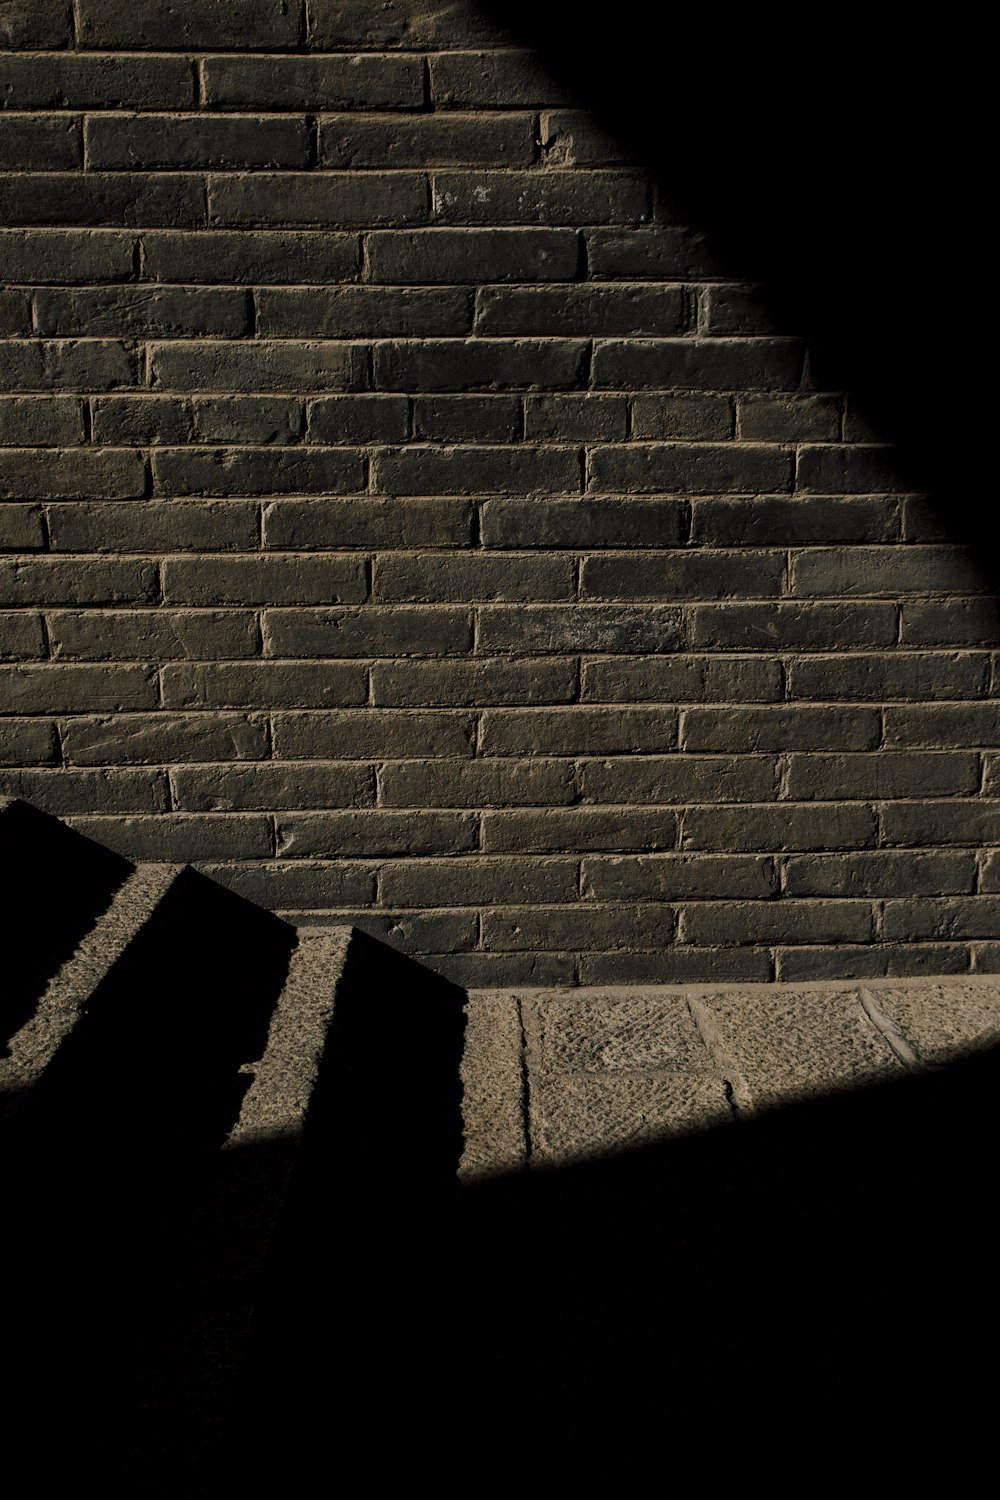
(103, 473)
(372, 734)
(153, 525)
(263, 684)
(678, 966)
(93, 364)
(689, 467)
(926, 519)
(584, 926)
(372, 631)
(418, 933)
(63, 792)
(789, 419)
(477, 784)
(591, 311)
(40, 255)
(247, 419)
(483, 419)
(699, 364)
(22, 528)
(69, 80)
(842, 962)
(888, 570)
(584, 522)
(347, 142)
(151, 635)
(182, 838)
(772, 626)
(258, 471)
(476, 970)
(680, 778)
(678, 877)
(961, 725)
(164, 738)
(261, 580)
(409, 24)
(479, 364)
(311, 524)
(951, 622)
(222, 366)
(571, 138)
(36, 23)
(850, 470)
(696, 418)
(297, 884)
(267, 788)
(990, 880)
(375, 834)
(77, 581)
(21, 636)
(882, 874)
(358, 419)
(455, 255)
(68, 688)
(777, 520)
(578, 830)
(28, 742)
(780, 728)
(578, 731)
(972, 821)
(686, 575)
(111, 198)
(896, 674)
(314, 83)
(363, 311)
(777, 826)
(15, 313)
(133, 311)
(322, 200)
(777, 922)
(221, 142)
(682, 679)
(474, 576)
(38, 420)
(579, 627)
(470, 471)
(736, 309)
(495, 79)
(886, 774)
(212, 23)
(474, 881)
(472, 684)
(40, 143)
(586, 418)
(561, 197)
(671, 252)
(945, 918)
(260, 256)
(991, 780)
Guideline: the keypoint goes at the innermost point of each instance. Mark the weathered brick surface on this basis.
(405, 513)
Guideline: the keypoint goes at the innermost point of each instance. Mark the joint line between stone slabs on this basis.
(887, 1028)
(737, 1089)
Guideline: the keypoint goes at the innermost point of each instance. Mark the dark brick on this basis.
(897, 674)
(678, 966)
(583, 523)
(262, 580)
(477, 471)
(247, 419)
(429, 255)
(777, 826)
(15, 313)
(585, 418)
(777, 922)
(323, 200)
(358, 419)
(830, 777)
(842, 962)
(61, 580)
(258, 471)
(363, 311)
(263, 684)
(261, 24)
(777, 520)
(888, 570)
(297, 884)
(152, 635)
(472, 684)
(39, 255)
(113, 473)
(926, 518)
(236, 366)
(141, 311)
(21, 636)
(471, 419)
(419, 24)
(490, 80)
(261, 256)
(578, 731)
(682, 679)
(591, 311)
(672, 253)
(472, 882)
(484, 364)
(571, 138)
(789, 419)
(477, 576)
(62, 791)
(69, 80)
(224, 142)
(780, 728)
(372, 631)
(569, 197)
(375, 834)
(41, 421)
(676, 877)
(680, 778)
(850, 470)
(578, 830)
(685, 575)
(22, 528)
(112, 198)
(583, 926)
(991, 781)
(990, 880)
(28, 742)
(36, 23)
(772, 626)
(268, 788)
(958, 725)
(164, 738)
(696, 418)
(699, 364)
(309, 524)
(729, 308)
(68, 688)
(135, 420)
(967, 821)
(689, 467)
(182, 838)
(883, 874)
(477, 784)
(314, 83)
(579, 627)
(478, 970)
(372, 734)
(951, 622)
(941, 919)
(151, 525)
(40, 143)
(352, 141)
(92, 364)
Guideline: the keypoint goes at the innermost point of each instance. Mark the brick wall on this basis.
(408, 519)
